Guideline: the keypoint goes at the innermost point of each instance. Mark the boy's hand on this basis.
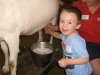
(63, 62)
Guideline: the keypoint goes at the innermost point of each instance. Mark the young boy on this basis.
(75, 56)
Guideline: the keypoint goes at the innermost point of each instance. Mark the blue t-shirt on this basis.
(74, 46)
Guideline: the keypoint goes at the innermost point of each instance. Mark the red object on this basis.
(90, 27)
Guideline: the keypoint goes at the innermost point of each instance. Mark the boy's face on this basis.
(68, 23)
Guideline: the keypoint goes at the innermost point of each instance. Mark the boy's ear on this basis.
(78, 26)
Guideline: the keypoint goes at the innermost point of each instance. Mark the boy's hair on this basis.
(70, 8)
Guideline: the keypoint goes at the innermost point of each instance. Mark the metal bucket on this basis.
(41, 59)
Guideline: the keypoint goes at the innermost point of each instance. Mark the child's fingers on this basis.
(62, 63)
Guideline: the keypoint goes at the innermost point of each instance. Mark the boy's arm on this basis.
(55, 34)
(74, 61)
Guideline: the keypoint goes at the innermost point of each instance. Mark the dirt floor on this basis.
(25, 63)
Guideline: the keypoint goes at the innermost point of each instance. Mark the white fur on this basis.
(53, 22)
(22, 17)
